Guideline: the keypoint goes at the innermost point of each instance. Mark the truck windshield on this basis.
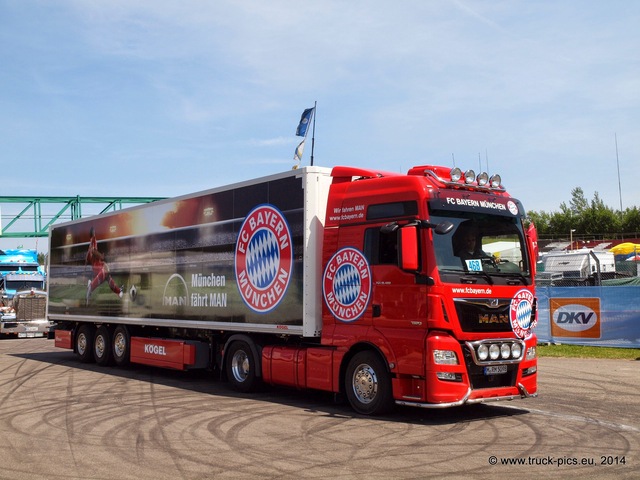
(23, 284)
(481, 249)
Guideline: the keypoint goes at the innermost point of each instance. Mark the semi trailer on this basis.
(348, 280)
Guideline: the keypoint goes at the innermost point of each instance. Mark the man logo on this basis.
(175, 292)
(575, 317)
(264, 258)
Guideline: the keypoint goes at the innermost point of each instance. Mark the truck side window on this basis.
(381, 248)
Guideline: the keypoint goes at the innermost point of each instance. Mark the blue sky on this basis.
(163, 98)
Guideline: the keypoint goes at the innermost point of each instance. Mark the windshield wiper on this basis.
(480, 273)
(517, 275)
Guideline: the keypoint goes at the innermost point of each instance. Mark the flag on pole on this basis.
(298, 153)
(305, 120)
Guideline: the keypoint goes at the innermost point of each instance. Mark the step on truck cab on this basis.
(392, 289)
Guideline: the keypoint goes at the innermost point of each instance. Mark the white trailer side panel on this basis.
(244, 257)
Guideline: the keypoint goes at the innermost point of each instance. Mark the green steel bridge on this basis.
(25, 217)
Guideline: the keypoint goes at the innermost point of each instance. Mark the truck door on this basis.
(398, 300)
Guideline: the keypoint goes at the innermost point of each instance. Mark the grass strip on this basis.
(582, 351)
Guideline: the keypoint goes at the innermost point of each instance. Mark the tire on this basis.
(241, 367)
(368, 384)
(121, 346)
(102, 346)
(84, 343)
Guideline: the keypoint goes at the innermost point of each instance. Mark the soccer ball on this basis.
(133, 293)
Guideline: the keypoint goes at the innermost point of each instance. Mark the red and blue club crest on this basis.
(263, 258)
(521, 313)
(346, 284)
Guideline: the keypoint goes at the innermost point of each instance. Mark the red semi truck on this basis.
(413, 289)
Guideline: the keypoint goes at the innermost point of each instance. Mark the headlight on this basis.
(494, 351)
(483, 352)
(516, 350)
(531, 353)
(445, 357)
(505, 351)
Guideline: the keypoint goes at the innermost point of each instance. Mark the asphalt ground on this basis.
(61, 419)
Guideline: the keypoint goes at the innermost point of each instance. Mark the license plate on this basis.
(30, 334)
(495, 370)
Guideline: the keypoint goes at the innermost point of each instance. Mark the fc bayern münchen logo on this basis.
(264, 258)
(346, 284)
(521, 313)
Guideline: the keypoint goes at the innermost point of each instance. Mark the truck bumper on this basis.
(469, 399)
(21, 329)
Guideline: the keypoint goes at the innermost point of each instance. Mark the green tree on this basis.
(578, 203)
(630, 220)
(585, 218)
(598, 218)
(542, 222)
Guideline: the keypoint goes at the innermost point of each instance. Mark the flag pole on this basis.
(313, 135)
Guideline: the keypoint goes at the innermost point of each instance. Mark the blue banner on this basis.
(599, 316)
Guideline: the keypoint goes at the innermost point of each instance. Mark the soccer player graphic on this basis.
(100, 269)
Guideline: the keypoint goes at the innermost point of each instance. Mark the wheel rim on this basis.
(100, 346)
(82, 343)
(365, 383)
(119, 345)
(240, 366)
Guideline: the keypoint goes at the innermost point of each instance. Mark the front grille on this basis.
(30, 308)
(483, 315)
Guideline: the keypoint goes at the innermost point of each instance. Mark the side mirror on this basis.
(444, 228)
(390, 227)
(532, 244)
(408, 240)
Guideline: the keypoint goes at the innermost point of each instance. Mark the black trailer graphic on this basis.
(182, 259)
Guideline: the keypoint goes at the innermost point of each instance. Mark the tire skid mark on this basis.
(160, 429)
(101, 423)
(18, 380)
(580, 418)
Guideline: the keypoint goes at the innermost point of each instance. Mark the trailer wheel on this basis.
(121, 346)
(241, 367)
(84, 343)
(368, 384)
(102, 346)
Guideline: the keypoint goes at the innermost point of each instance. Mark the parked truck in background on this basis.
(23, 296)
(347, 280)
(24, 316)
(20, 270)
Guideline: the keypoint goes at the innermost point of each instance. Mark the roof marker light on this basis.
(469, 176)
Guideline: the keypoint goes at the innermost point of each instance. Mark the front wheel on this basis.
(368, 384)
(241, 367)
